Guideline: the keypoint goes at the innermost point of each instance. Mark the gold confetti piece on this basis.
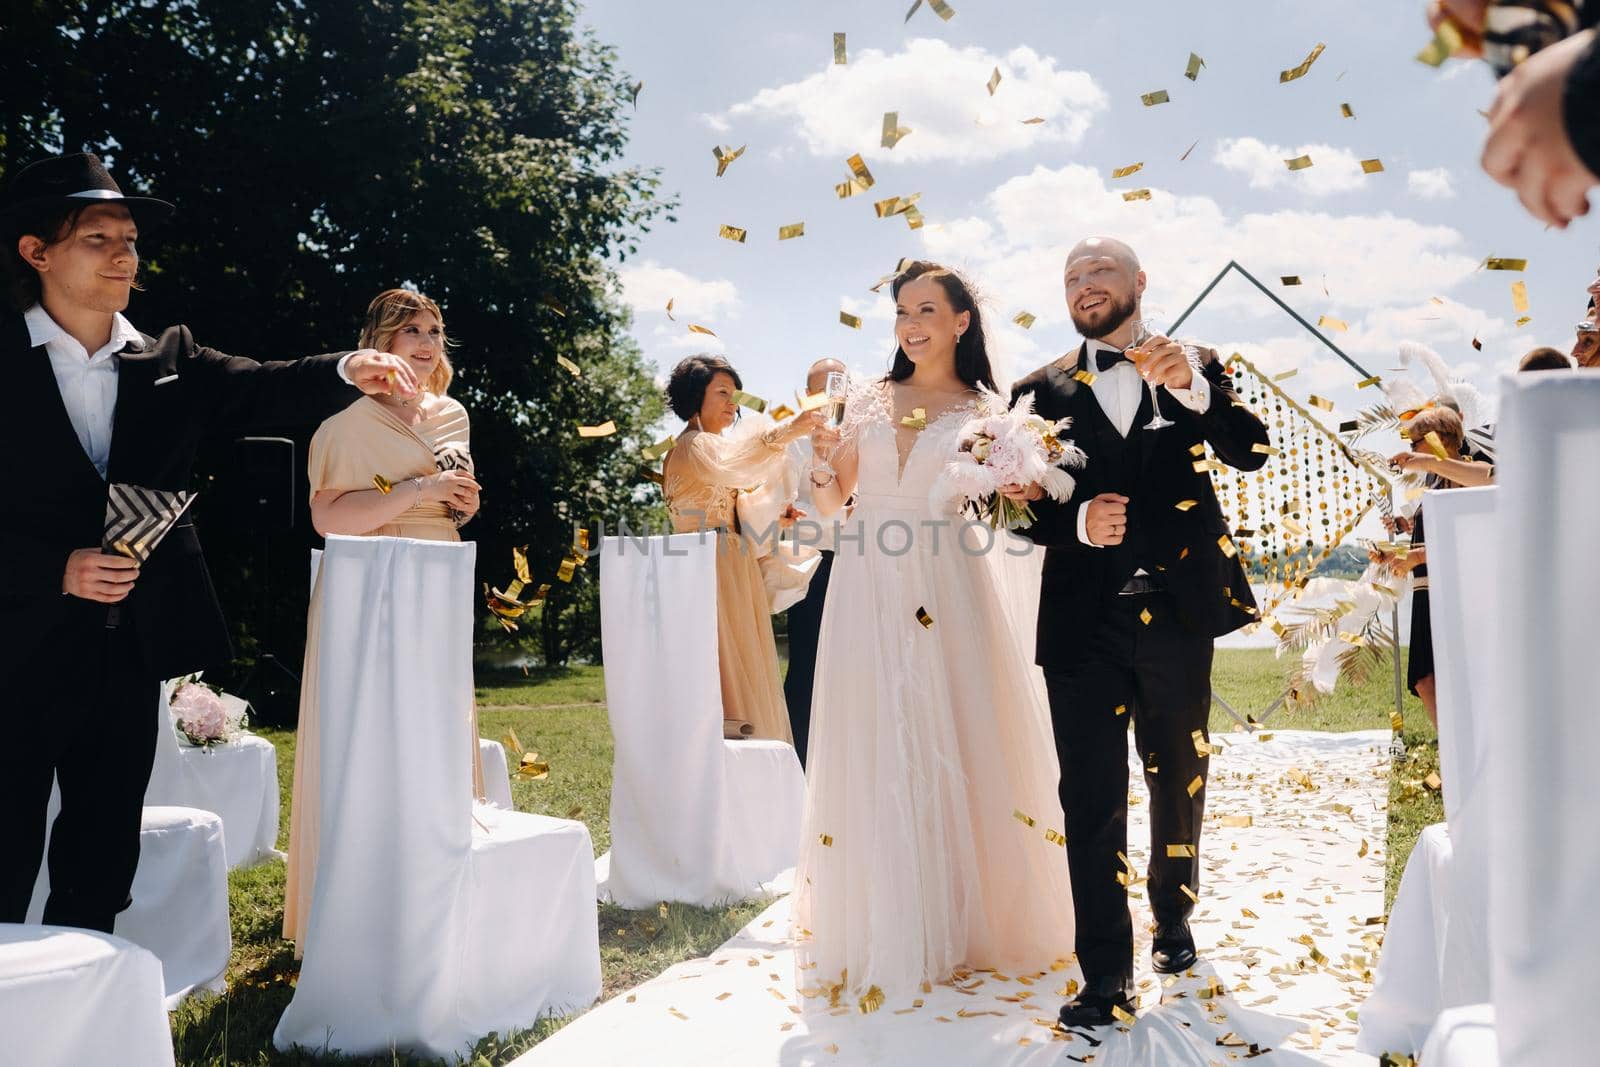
(720, 996)
(1298, 162)
(1131, 168)
(662, 909)
(794, 229)
(696, 328)
(781, 412)
(1320, 402)
(382, 484)
(1201, 466)
(1226, 545)
(659, 449)
(1239, 821)
(1185, 505)
(512, 741)
(1121, 1015)
(605, 429)
(1523, 321)
(1020, 817)
(1336, 325)
(1145, 616)
(812, 401)
(732, 233)
(1137, 194)
(851, 188)
(1190, 893)
(571, 367)
(994, 81)
(1192, 72)
(839, 56)
(1447, 41)
(1344, 109)
(858, 167)
(1084, 376)
(1286, 375)
(1290, 279)
(914, 5)
(925, 619)
(1197, 449)
(749, 400)
(1024, 319)
(1152, 99)
(917, 420)
(531, 767)
(1202, 747)
(871, 1001)
(1365, 848)
(893, 132)
(1374, 380)
(832, 1050)
(1186, 152)
(1519, 296)
(724, 157)
(1435, 445)
(1120, 709)
(913, 217)
(670, 302)
(1497, 263)
(1264, 450)
(1371, 166)
(1304, 67)
(852, 321)
(942, 9)
(1055, 838)
(1180, 852)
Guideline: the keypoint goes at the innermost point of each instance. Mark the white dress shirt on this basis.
(88, 381)
(1118, 391)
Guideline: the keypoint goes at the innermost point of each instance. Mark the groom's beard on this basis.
(1119, 314)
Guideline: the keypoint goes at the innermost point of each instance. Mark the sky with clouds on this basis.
(1396, 255)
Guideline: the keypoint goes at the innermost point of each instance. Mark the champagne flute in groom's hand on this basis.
(1144, 331)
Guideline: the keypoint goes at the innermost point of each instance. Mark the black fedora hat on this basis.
(76, 180)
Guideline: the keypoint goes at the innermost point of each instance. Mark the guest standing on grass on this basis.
(98, 401)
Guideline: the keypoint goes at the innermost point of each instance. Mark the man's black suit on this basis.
(81, 700)
(1111, 658)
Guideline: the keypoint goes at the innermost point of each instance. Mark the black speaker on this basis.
(260, 486)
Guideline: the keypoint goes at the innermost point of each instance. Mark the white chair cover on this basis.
(73, 997)
(1464, 1036)
(496, 774)
(1406, 995)
(1544, 926)
(237, 780)
(419, 935)
(694, 818)
(180, 897)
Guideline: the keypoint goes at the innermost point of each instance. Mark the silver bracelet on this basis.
(418, 501)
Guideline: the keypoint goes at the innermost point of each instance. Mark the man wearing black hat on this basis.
(86, 637)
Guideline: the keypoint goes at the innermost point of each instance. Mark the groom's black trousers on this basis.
(85, 714)
(1160, 673)
(805, 627)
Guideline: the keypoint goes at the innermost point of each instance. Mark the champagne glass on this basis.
(1143, 331)
(836, 389)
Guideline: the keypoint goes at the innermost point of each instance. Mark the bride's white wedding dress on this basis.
(927, 741)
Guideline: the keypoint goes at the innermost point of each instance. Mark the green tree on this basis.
(320, 151)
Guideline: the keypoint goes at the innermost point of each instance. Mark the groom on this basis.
(95, 401)
(1139, 576)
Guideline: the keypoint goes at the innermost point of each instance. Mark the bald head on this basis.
(1107, 248)
(817, 376)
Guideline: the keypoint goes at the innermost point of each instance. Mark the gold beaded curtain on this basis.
(1312, 492)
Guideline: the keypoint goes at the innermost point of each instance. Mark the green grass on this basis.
(560, 715)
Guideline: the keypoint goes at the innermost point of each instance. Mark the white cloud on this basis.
(1332, 170)
(938, 91)
(648, 286)
(1432, 184)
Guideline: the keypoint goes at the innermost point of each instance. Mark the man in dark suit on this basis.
(89, 636)
(1140, 576)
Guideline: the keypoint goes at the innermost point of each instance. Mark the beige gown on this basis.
(348, 449)
(701, 477)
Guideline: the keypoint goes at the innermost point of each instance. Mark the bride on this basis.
(932, 772)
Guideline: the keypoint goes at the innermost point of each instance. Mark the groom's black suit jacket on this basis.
(1156, 472)
(56, 500)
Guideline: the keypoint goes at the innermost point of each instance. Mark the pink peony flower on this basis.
(200, 714)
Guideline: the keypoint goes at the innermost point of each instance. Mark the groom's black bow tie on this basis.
(1106, 358)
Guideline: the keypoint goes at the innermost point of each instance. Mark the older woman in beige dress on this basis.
(701, 479)
(419, 447)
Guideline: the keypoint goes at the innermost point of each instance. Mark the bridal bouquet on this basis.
(1007, 445)
(205, 716)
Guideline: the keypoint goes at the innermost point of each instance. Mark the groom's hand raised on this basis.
(1107, 519)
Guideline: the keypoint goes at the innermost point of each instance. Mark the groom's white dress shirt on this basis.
(1118, 391)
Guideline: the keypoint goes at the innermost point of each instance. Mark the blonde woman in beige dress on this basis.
(420, 446)
(701, 479)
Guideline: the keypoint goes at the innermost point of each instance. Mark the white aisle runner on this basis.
(1284, 928)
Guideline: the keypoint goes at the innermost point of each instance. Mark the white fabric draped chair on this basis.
(496, 774)
(1436, 950)
(72, 997)
(1464, 1036)
(180, 897)
(433, 920)
(694, 818)
(238, 780)
(1544, 924)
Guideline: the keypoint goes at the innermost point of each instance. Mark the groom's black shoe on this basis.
(1172, 950)
(1092, 1006)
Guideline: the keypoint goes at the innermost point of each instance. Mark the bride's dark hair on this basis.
(972, 353)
